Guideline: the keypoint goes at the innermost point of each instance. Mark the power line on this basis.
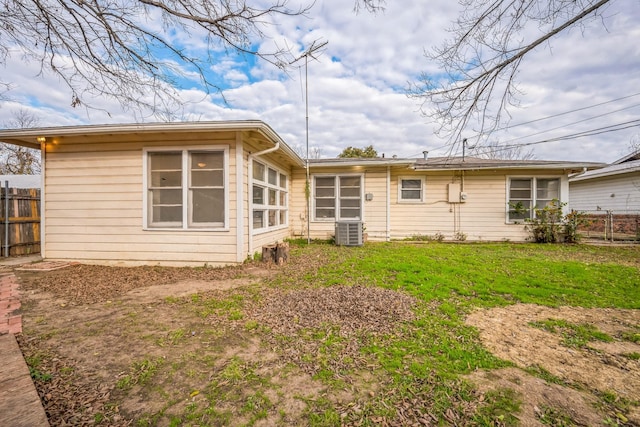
(572, 123)
(567, 112)
(591, 132)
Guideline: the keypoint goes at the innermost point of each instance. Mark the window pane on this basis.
(167, 214)
(548, 189)
(411, 194)
(350, 203)
(258, 219)
(283, 217)
(325, 182)
(273, 197)
(273, 215)
(325, 213)
(349, 213)
(165, 161)
(258, 171)
(258, 195)
(350, 181)
(326, 203)
(411, 183)
(349, 192)
(325, 192)
(208, 205)
(520, 189)
(283, 199)
(166, 179)
(209, 160)
(205, 178)
(523, 212)
(166, 197)
(273, 177)
(283, 181)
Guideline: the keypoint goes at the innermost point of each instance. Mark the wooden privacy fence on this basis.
(19, 221)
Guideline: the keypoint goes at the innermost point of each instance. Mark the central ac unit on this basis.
(349, 233)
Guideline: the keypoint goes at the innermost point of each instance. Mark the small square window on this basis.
(410, 190)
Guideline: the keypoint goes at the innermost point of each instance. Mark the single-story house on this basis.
(610, 196)
(215, 192)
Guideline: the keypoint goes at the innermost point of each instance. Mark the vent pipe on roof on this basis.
(425, 154)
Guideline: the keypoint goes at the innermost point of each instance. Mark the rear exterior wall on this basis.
(481, 217)
(94, 205)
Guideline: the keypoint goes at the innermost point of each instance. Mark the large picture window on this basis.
(186, 189)
(270, 197)
(338, 197)
(528, 194)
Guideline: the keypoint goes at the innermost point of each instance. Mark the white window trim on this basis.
(185, 182)
(422, 190)
(266, 185)
(561, 191)
(337, 196)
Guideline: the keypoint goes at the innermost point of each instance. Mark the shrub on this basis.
(550, 225)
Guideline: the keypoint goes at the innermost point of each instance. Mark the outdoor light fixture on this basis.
(41, 139)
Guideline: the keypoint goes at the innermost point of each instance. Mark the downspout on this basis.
(43, 168)
(388, 214)
(250, 174)
(240, 199)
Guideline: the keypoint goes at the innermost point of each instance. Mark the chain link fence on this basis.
(611, 226)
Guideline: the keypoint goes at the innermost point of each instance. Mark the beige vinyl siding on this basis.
(298, 203)
(375, 211)
(94, 206)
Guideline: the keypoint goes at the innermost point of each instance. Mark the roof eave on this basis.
(28, 137)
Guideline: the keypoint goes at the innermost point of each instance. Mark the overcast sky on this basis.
(357, 87)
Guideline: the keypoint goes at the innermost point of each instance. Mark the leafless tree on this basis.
(634, 144)
(17, 160)
(495, 150)
(480, 63)
(314, 152)
(128, 50)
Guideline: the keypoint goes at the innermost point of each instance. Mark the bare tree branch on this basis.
(16, 160)
(115, 48)
(481, 62)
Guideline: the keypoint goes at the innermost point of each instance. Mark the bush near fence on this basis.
(23, 221)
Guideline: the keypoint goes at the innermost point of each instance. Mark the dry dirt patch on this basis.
(599, 367)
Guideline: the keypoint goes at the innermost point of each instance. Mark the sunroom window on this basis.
(270, 197)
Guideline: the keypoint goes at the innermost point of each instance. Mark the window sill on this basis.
(188, 230)
(258, 231)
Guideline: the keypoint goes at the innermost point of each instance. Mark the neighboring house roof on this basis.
(21, 181)
(611, 170)
(29, 137)
(628, 158)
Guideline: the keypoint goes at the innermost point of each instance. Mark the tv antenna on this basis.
(312, 52)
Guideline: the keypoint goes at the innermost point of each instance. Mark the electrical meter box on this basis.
(454, 192)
